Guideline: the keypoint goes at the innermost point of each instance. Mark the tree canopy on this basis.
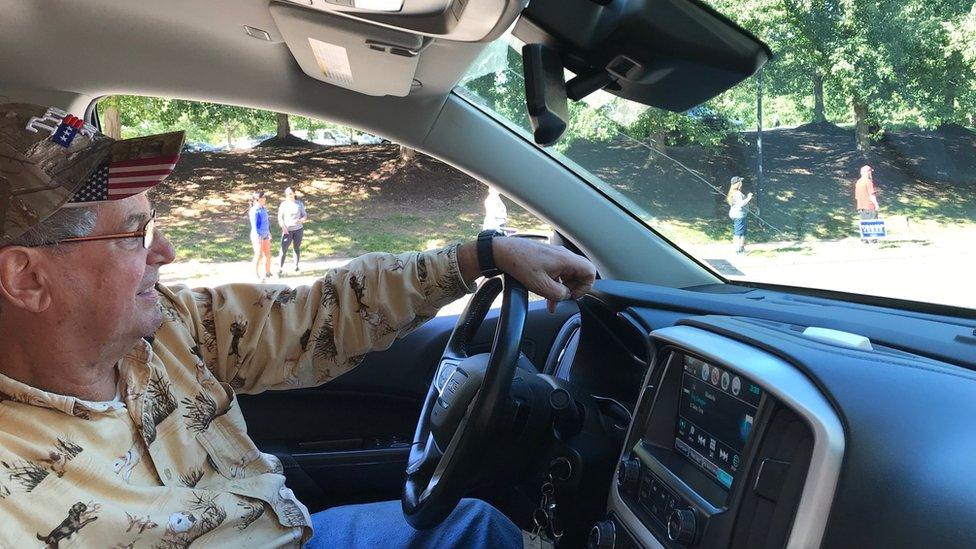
(870, 64)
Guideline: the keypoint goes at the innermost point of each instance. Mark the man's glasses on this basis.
(147, 233)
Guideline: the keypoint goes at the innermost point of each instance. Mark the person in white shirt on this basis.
(496, 214)
(291, 219)
(737, 213)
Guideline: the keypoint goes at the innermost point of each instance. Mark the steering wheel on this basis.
(468, 397)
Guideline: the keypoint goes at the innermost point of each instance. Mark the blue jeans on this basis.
(473, 523)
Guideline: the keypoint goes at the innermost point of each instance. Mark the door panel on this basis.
(347, 441)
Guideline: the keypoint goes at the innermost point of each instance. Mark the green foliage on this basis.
(209, 122)
(883, 63)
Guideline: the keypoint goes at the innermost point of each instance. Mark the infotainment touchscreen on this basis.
(716, 411)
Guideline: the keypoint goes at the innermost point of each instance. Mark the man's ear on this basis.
(24, 282)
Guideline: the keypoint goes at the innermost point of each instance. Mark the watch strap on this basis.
(486, 256)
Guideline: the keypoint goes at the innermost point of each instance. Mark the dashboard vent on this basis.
(774, 484)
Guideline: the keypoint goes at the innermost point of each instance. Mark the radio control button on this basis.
(627, 473)
(602, 535)
(682, 526)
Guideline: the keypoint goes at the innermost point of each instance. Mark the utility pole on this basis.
(759, 135)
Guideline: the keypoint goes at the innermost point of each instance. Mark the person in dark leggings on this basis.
(291, 219)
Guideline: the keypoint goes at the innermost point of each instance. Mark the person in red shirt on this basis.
(865, 195)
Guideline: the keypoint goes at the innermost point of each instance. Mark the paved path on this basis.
(933, 268)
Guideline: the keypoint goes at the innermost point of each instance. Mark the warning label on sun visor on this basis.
(333, 61)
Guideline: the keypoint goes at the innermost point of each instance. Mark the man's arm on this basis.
(873, 193)
(257, 337)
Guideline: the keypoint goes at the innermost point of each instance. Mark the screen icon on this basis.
(701, 440)
(736, 385)
(723, 455)
(704, 372)
(726, 379)
(711, 444)
(715, 375)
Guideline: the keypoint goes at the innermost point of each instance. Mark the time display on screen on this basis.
(716, 413)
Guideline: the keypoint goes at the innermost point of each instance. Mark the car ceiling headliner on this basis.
(198, 50)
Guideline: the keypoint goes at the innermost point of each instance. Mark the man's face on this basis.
(107, 288)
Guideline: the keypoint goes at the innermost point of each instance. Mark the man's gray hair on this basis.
(65, 223)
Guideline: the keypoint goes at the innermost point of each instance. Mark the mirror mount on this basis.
(585, 84)
(545, 93)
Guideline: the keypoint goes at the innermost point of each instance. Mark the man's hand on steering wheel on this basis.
(552, 272)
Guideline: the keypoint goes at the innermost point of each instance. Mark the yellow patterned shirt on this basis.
(171, 463)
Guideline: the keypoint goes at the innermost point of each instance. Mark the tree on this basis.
(213, 117)
(284, 129)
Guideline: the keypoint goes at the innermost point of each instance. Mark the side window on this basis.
(360, 192)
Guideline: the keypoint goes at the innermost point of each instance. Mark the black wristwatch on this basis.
(486, 257)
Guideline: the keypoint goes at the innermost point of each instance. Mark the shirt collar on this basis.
(130, 367)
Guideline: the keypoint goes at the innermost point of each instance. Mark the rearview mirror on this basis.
(670, 54)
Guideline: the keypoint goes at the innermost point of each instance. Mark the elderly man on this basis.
(118, 423)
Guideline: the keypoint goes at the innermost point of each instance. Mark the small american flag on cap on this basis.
(128, 170)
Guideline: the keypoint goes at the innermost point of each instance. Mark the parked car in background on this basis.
(367, 139)
(199, 146)
(331, 138)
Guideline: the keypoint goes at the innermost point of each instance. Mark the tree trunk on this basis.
(950, 103)
(818, 97)
(861, 132)
(284, 128)
(111, 125)
(230, 136)
(407, 155)
(656, 141)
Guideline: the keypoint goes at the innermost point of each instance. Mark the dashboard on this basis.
(820, 424)
(723, 429)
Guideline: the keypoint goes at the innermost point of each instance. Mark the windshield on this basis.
(860, 177)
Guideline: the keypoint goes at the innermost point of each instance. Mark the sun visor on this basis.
(344, 52)
(455, 20)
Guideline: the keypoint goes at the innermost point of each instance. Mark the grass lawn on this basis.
(359, 199)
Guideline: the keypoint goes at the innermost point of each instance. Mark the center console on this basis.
(730, 446)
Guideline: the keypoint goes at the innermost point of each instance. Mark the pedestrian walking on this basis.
(496, 214)
(260, 235)
(737, 213)
(291, 219)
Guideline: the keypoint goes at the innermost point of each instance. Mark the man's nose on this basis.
(161, 252)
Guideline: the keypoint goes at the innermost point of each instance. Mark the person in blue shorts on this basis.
(737, 213)
(260, 235)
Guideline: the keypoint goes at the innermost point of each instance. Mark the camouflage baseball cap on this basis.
(50, 159)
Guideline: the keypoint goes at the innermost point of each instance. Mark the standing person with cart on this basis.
(866, 198)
